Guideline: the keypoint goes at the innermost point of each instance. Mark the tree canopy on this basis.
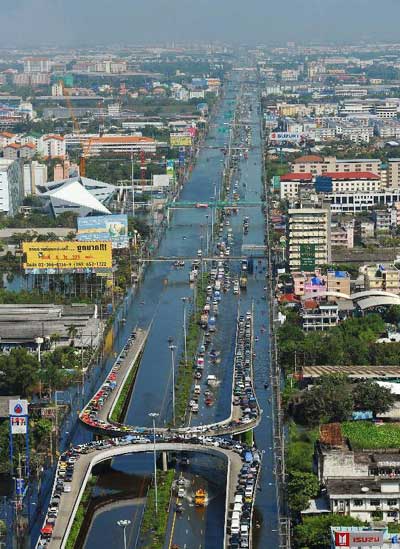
(335, 397)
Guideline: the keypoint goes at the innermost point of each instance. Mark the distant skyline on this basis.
(27, 23)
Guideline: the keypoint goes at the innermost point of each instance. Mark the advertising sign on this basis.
(48, 413)
(182, 139)
(19, 486)
(161, 180)
(104, 227)
(361, 538)
(67, 256)
(285, 136)
(170, 168)
(18, 410)
(18, 407)
(307, 257)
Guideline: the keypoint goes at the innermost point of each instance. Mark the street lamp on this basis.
(184, 299)
(123, 524)
(172, 348)
(207, 216)
(39, 341)
(153, 416)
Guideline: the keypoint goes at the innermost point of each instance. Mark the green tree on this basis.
(301, 488)
(72, 332)
(368, 395)
(392, 314)
(314, 532)
(19, 372)
(330, 400)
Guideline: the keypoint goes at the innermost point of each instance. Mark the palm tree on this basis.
(72, 332)
(55, 338)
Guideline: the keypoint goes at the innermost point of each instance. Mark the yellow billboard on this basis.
(67, 255)
(180, 140)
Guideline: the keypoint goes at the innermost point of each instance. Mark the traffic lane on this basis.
(104, 530)
(266, 502)
(196, 527)
(224, 342)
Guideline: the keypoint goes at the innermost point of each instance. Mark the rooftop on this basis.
(122, 139)
(345, 176)
(296, 176)
(308, 158)
(365, 486)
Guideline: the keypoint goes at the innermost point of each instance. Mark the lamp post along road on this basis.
(123, 524)
(172, 348)
(153, 416)
(184, 299)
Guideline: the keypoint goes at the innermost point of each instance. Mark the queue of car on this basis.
(89, 415)
(243, 391)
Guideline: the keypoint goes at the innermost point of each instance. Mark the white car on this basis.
(67, 487)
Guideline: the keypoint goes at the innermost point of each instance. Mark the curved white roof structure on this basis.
(357, 296)
(80, 195)
(377, 301)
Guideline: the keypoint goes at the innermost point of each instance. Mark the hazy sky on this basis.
(69, 22)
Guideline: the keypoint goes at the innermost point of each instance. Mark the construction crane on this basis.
(77, 129)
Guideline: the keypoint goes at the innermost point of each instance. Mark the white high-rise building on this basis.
(35, 174)
(309, 229)
(11, 186)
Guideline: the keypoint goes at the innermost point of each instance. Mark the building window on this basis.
(374, 502)
(392, 502)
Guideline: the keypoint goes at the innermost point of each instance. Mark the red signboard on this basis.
(342, 539)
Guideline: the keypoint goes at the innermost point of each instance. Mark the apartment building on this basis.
(290, 184)
(308, 229)
(363, 485)
(342, 236)
(338, 281)
(34, 174)
(342, 182)
(11, 186)
(362, 201)
(382, 277)
(52, 146)
(384, 219)
(387, 110)
(393, 173)
(318, 165)
(319, 315)
(121, 144)
(316, 285)
(36, 64)
(17, 150)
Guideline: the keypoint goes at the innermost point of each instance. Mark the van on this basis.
(235, 516)
(235, 527)
(237, 508)
(197, 389)
(211, 380)
(238, 498)
(244, 531)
